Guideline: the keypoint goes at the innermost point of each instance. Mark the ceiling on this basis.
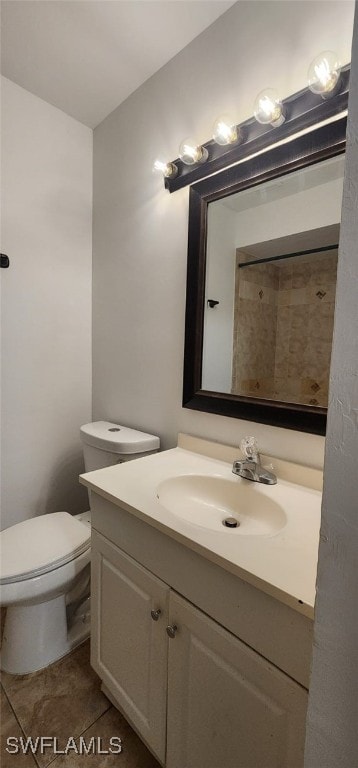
(86, 56)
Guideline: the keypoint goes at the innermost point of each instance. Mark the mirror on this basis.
(271, 267)
(263, 249)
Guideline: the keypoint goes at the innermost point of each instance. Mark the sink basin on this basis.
(208, 501)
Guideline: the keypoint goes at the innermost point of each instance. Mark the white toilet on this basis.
(45, 564)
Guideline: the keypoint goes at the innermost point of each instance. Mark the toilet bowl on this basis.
(45, 564)
(44, 561)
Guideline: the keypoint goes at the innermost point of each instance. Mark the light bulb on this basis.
(268, 108)
(323, 73)
(169, 170)
(190, 152)
(225, 130)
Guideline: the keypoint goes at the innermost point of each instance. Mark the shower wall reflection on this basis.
(283, 326)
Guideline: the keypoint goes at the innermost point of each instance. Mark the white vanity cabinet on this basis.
(129, 648)
(201, 697)
(227, 706)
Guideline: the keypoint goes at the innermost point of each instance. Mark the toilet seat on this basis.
(41, 545)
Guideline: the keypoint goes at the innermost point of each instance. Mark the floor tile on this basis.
(134, 754)
(62, 700)
(10, 727)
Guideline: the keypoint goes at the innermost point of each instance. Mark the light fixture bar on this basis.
(302, 110)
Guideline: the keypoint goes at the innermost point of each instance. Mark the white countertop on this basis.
(282, 564)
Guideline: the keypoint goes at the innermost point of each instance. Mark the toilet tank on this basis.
(105, 443)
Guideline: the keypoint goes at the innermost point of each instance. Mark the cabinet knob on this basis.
(155, 614)
(172, 630)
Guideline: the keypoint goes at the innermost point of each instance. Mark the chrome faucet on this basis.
(250, 468)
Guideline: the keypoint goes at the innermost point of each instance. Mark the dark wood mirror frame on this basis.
(313, 147)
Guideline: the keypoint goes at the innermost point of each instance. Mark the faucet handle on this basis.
(249, 447)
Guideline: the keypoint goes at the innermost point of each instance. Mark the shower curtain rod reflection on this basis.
(288, 255)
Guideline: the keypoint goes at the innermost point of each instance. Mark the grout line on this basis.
(82, 733)
(20, 726)
(13, 710)
(16, 718)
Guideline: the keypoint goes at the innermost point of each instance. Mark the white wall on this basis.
(220, 285)
(309, 209)
(332, 732)
(140, 231)
(46, 305)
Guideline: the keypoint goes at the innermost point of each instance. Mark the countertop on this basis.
(282, 564)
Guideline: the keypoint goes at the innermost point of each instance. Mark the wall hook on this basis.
(212, 303)
(4, 261)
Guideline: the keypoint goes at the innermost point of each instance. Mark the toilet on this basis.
(45, 564)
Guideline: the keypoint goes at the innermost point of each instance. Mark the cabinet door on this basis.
(227, 706)
(129, 649)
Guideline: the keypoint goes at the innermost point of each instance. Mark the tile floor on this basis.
(61, 701)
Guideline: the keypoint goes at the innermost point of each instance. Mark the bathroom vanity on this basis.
(201, 634)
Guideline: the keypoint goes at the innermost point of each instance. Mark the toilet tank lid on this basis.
(118, 439)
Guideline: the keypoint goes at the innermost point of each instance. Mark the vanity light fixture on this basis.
(169, 170)
(225, 131)
(268, 108)
(324, 74)
(190, 152)
(274, 120)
